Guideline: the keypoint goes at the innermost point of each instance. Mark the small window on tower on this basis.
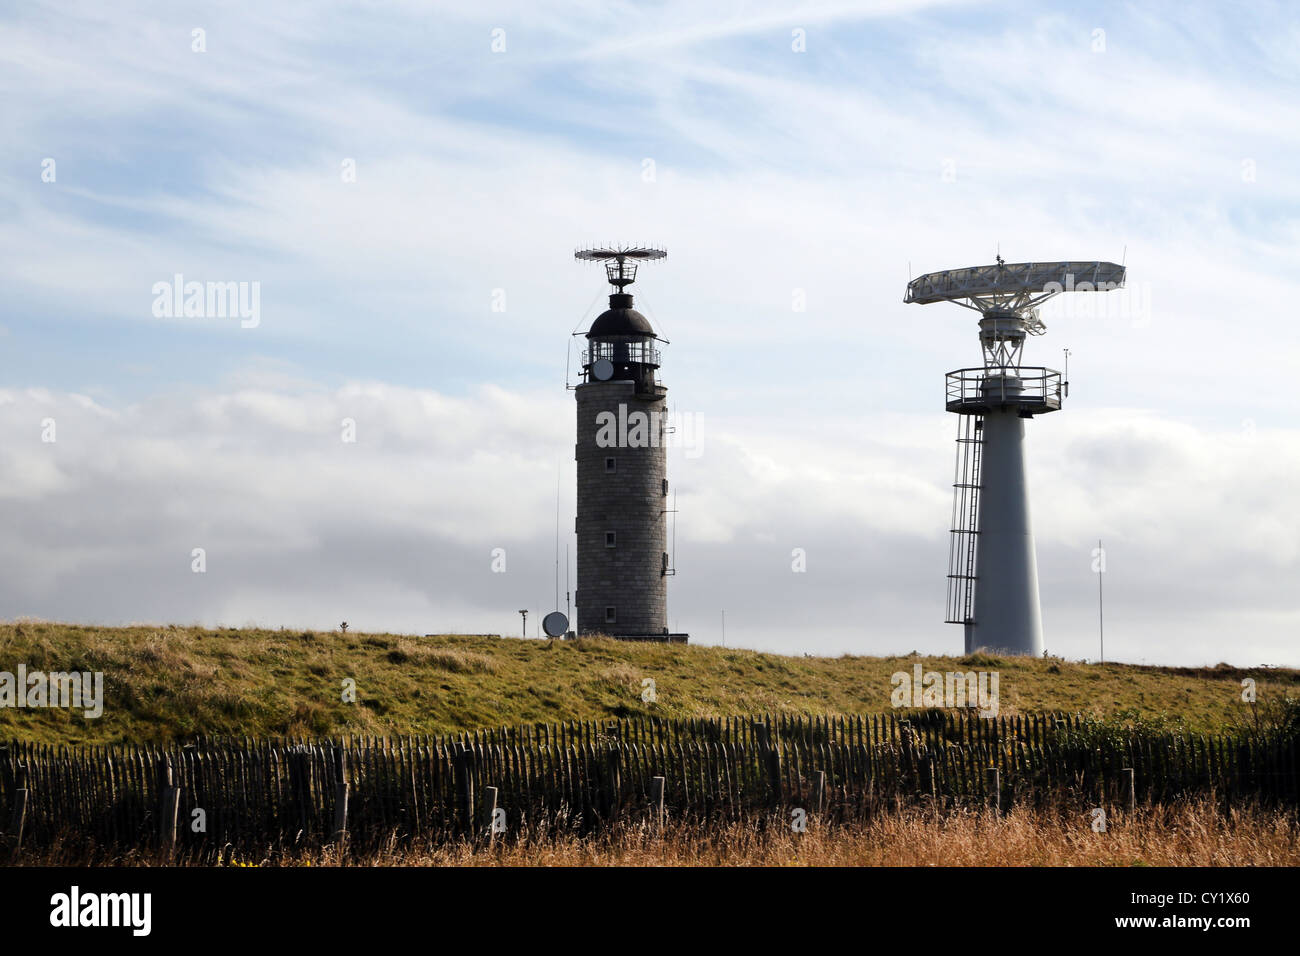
(611, 539)
(611, 464)
(611, 615)
(665, 487)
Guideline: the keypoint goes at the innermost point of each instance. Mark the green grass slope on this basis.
(177, 682)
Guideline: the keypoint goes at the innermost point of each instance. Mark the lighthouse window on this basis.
(611, 615)
(611, 539)
(611, 464)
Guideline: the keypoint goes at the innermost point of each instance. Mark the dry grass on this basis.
(1190, 833)
(440, 658)
(1187, 835)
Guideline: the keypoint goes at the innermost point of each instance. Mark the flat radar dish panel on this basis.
(602, 370)
(598, 253)
(1013, 286)
(620, 261)
(555, 624)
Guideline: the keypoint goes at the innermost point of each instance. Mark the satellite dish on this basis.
(555, 624)
(602, 370)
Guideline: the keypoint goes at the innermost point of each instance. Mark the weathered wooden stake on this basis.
(490, 812)
(18, 820)
(465, 787)
(171, 804)
(341, 795)
(613, 784)
(1130, 789)
(994, 778)
(819, 792)
(774, 775)
(168, 805)
(657, 803)
(931, 781)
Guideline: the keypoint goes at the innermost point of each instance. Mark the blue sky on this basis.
(905, 137)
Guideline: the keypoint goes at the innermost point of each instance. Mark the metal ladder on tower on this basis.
(965, 520)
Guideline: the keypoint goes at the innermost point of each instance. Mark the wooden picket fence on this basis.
(255, 794)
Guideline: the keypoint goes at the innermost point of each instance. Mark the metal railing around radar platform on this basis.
(975, 391)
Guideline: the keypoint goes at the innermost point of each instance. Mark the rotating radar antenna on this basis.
(620, 261)
(992, 565)
(1007, 296)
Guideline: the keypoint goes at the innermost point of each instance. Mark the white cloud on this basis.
(396, 531)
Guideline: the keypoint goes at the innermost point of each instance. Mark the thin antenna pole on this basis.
(674, 529)
(559, 468)
(1101, 615)
(568, 352)
(566, 582)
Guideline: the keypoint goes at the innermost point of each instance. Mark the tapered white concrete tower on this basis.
(993, 569)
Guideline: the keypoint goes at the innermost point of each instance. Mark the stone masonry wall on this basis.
(629, 501)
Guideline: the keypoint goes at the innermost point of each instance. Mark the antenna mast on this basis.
(620, 261)
(1101, 604)
(993, 568)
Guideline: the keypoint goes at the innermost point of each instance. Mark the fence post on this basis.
(7, 762)
(657, 804)
(490, 812)
(465, 787)
(341, 794)
(1130, 790)
(170, 810)
(772, 755)
(613, 784)
(169, 805)
(17, 820)
(928, 780)
(994, 779)
(819, 792)
(298, 787)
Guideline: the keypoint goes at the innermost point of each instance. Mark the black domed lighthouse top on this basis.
(621, 319)
(621, 342)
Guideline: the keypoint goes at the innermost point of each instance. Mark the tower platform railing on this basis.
(621, 353)
(978, 391)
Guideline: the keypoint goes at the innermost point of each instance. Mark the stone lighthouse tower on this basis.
(623, 560)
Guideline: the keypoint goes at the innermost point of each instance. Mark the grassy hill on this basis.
(176, 682)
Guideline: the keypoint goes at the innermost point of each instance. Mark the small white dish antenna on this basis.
(602, 370)
(555, 624)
